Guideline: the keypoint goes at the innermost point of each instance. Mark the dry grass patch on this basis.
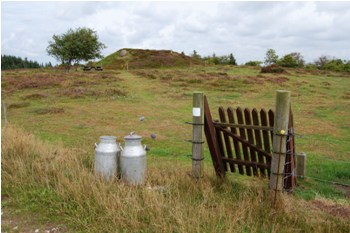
(81, 92)
(19, 105)
(35, 96)
(53, 110)
(170, 201)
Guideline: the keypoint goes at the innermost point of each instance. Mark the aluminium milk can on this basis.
(133, 161)
(106, 157)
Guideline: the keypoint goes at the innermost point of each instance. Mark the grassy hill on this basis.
(145, 58)
(55, 117)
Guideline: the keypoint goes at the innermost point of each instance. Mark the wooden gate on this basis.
(241, 141)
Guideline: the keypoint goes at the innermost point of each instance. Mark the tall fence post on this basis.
(197, 135)
(279, 140)
(301, 165)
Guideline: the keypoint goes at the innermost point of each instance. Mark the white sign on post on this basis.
(196, 112)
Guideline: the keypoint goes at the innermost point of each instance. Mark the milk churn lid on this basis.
(132, 136)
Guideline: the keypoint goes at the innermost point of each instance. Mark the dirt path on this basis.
(14, 220)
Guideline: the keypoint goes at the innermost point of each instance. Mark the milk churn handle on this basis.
(144, 147)
(120, 146)
(95, 145)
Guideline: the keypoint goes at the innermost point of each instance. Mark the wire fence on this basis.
(337, 161)
(325, 181)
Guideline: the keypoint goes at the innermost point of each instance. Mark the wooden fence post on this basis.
(279, 139)
(301, 165)
(197, 136)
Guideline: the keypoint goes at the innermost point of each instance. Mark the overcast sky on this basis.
(245, 29)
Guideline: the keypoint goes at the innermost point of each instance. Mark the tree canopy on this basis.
(271, 57)
(76, 45)
(9, 62)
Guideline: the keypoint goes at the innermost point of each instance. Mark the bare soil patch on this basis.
(334, 209)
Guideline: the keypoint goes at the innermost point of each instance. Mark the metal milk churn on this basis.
(106, 156)
(133, 161)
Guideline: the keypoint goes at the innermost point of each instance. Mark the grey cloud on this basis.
(246, 29)
(74, 10)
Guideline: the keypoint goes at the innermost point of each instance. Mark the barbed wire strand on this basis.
(326, 181)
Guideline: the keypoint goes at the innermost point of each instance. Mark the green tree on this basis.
(253, 63)
(298, 58)
(292, 60)
(347, 66)
(287, 61)
(76, 45)
(11, 62)
(232, 60)
(271, 57)
(335, 65)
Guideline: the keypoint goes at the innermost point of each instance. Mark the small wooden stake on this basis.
(279, 139)
(301, 165)
(197, 136)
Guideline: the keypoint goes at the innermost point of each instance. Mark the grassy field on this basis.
(55, 118)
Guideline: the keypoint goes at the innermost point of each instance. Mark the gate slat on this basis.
(251, 140)
(243, 136)
(264, 122)
(231, 118)
(294, 180)
(243, 141)
(271, 122)
(226, 139)
(242, 162)
(289, 178)
(247, 143)
(287, 169)
(258, 140)
(221, 146)
(209, 130)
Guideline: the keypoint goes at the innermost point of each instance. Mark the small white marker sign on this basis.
(196, 112)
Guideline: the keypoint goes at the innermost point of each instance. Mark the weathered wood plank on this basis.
(271, 123)
(244, 126)
(279, 140)
(243, 136)
(267, 148)
(258, 141)
(246, 163)
(221, 146)
(293, 166)
(231, 118)
(211, 140)
(290, 180)
(197, 136)
(251, 140)
(226, 139)
(243, 141)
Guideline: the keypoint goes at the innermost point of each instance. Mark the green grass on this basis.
(72, 110)
(56, 184)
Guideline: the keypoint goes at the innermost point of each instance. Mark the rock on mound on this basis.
(145, 58)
